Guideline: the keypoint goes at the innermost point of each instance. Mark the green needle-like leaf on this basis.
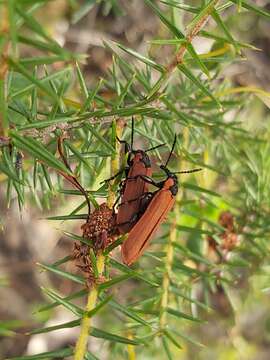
(38, 151)
(46, 355)
(21, 69)
(100, 305)
(98, 333)
(197, 82)
(75, 295)
(165, 21)
(64, 274)
(249, 6)
(115, 280)
(172, 339)
(180, 314)
(67, 304)
(142, 58)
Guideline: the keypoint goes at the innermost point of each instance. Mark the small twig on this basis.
(115, 161)
(130, 349)
(72, 179)
(167, 274)
(81, 344)
(193, 32)
(170, 250)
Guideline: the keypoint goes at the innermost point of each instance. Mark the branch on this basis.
(81, 344)
(166, 277)
(193, 32)
(170, 249)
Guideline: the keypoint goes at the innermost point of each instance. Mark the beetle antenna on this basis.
(187, 171)
(155, 147)
(169, 157)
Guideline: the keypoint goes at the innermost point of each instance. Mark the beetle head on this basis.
(138, 155)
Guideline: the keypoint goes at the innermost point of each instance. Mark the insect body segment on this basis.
(133, 189)
(160, 203)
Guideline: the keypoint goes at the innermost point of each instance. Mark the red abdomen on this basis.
(134, 189)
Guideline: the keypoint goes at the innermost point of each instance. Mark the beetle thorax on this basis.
(168, 183)
(141, 156)
(171, 184)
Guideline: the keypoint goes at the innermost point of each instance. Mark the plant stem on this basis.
(81, 344)
(170, 249)
(178, 58)
(115, 159)
(166, 277)
(131, 350)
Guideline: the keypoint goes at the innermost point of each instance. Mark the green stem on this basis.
(81, 344)
(170, 248)
(166, 277)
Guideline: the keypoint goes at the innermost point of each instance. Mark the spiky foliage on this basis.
(188, 95)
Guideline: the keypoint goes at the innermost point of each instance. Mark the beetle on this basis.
(133, 187)
(159, 203)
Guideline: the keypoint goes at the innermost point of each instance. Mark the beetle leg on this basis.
(71, 178)
(133, 219)
(143, 196)
(127, 146)
(114, 176)
(147, 179)
(116, 201)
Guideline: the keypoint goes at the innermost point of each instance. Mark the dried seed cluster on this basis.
(99, 229)
(229, 236)
(83, 262)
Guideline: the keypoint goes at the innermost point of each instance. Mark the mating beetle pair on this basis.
(140, 211)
